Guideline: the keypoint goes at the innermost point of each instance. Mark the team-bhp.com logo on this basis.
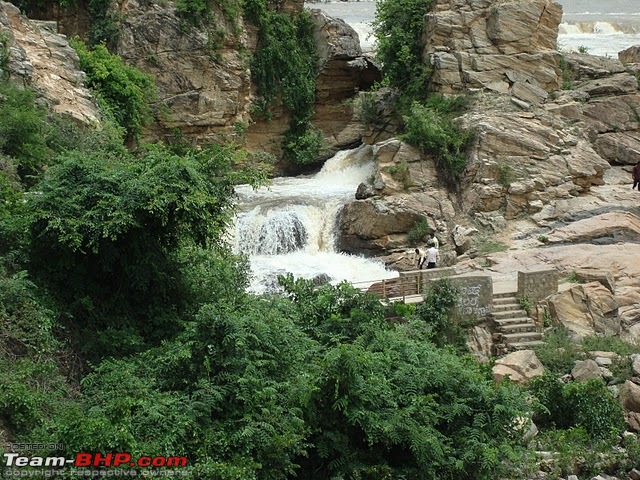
(93, 460)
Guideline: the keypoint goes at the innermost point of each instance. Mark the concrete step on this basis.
(500, 322)
(509, 314)
(501, 307)
(503, 300)
(526, 345)
(518, 327)
(520, 337)
(505, 295)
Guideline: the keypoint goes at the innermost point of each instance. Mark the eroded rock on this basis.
(520, 366)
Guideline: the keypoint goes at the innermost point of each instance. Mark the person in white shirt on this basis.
(433, 240)
(432, 257)
(420, 257)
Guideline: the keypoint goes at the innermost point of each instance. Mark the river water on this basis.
(603, 27)
(290, 226)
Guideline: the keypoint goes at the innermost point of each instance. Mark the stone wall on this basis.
(537, 284)
(476, 295)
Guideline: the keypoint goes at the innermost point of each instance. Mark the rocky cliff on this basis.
(549, 171)
(38, 57)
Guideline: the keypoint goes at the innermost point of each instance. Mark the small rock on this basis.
(364, 191)
(606, 373)
(572, 477)
(586, 370)
(635, 359)
(634, 474)
(603, 362)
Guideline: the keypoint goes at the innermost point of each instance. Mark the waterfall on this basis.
(290, 226)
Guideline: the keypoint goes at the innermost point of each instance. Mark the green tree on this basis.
(106, 232)
(398, 27)
(125, 90)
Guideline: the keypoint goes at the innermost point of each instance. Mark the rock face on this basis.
(612, 227)
(520, 366)
(508, 47)
(43, 60)
(205, 89)
(208, 90)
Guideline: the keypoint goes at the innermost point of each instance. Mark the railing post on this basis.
(384, 288)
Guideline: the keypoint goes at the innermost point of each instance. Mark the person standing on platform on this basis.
(432, 257)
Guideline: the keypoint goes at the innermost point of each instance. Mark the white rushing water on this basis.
(603, 27)
(290, 226)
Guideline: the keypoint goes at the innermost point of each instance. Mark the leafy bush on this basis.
(398, 28)
(302, 144)
(418, 232)
(106, 231)
(431, 129)
(589, 405)
(126, 91)
(284, 68)
(558, 353)
(23, 130)
(436, 312)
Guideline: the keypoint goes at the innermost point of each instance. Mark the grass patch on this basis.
(558, 353)
(418, 232)
(400, 173)
(487, 245)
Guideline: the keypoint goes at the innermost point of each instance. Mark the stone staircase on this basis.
(519, 332)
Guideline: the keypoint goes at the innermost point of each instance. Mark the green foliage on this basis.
(284, 68)
(418, 232)
(126, 91)
(105, 231)
(558, 353)
(505, 174)
(302, 144)
(398, 28)
(525, 304)
(571, 278)
(400, 172)
(104, 23)
(589, 405)
(4, 49)
(583, 49)
(367, 108)
(442, 328)
(22, 130)
(567, 75)
(430, 128)
(194, 11)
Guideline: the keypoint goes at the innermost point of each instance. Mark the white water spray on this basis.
(290, 226)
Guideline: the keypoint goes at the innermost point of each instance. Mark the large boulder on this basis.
(42, 59)
(630, 396)
(630, 55)
(612, 227)
(520, 366)
(586, 370)
(586, 309)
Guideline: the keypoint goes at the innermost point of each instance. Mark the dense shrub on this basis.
(430, 127)
(126, 91)
(284, 69)
(398, 27)
(559, 353)
(589, 405)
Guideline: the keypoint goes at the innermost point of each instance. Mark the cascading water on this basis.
(290, 226)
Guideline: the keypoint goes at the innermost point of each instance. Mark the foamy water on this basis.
(290, 226)
(603, 27)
